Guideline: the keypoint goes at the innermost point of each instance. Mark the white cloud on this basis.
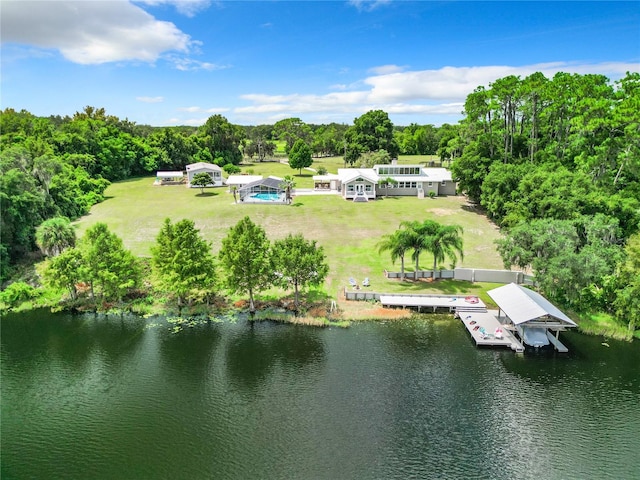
(368, 5)
(195, 109)
(185, 7)
(421, 92)
(91, 32)
(150, 99)
(386, 69)
(186, 64)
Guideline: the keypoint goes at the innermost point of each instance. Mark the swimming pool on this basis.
(266, 197)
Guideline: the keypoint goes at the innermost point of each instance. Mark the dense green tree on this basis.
(65, 271)
(567, 256)
(108, 267)
(177, 149)
(627, 302)
(221, 140)
(182, 261)
(300, 156)
(369, 159)
(370, 132)
(244, 257)
(291, 130)
(55, 235)
(298, 263)
(201, 180)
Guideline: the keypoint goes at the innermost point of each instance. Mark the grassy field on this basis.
(348, 232)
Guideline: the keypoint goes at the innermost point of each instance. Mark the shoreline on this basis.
(313, 313)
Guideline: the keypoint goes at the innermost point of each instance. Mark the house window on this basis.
(443, 183)
(367, 188)
(430, 184)
(349, 188)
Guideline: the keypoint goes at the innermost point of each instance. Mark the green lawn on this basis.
(135, 209)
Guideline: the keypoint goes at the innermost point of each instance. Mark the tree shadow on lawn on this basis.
(207, 194)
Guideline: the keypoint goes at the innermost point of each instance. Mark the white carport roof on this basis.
(522, 305)
(242, 179)
(169, 174)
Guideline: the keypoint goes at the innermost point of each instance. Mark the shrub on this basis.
(231, 169)
(16, 293)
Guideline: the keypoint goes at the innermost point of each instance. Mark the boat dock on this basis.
(483, 326)
(452, 303)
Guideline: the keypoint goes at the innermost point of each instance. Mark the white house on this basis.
(363, 184)
(214, 171)
(358, 184)
(415, 180)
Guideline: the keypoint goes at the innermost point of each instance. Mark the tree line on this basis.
(555, 162)
(99, 270)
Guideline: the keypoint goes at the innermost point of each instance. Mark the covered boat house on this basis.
(535, 319)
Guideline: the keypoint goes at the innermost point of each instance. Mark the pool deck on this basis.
(489, 321)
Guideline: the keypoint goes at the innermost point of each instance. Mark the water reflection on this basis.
(188, 355)
(252, 355)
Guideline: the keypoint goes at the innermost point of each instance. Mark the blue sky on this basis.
(168, 62)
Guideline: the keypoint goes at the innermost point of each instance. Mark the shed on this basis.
(214, 171)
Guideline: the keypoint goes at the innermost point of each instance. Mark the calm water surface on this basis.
(87, 397)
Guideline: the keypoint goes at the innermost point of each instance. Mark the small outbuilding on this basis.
(169, 178)
(214, 171)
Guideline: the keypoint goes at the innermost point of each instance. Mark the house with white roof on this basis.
(214, 171)
(363, 184)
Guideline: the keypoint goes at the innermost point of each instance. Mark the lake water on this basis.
(87, 397)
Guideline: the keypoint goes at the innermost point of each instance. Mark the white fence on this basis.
(471, 275)
(468, 274)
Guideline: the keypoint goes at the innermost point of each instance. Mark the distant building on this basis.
(363, 184)
(214, 171)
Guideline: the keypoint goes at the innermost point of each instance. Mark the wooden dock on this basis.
(482, 327)
(452, 303)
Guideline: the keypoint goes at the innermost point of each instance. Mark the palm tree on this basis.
(396, 244)
(417, 237)
(287, 185)
(446, 242)
(54, 235)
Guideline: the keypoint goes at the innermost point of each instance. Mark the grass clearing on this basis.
(349, 232)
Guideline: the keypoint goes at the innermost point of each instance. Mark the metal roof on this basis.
(202, 166)
(523, 305)
(271, 182)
